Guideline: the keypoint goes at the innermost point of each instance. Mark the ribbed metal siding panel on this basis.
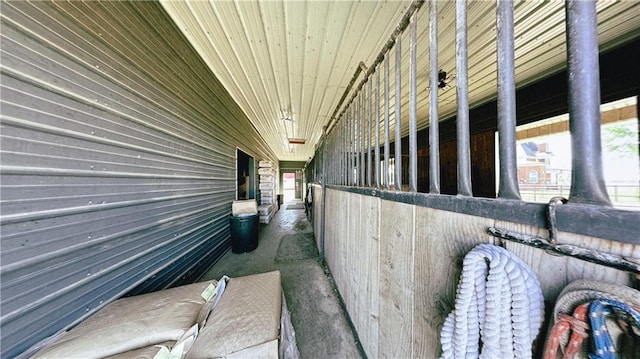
(118, 161)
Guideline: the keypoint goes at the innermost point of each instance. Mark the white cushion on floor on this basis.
(131, 323)
(247, 315)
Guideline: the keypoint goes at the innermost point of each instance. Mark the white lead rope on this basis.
(499, 304)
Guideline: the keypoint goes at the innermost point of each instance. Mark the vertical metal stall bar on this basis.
(325, 178)
(329, 167)
(413, 129)
(386, 123)
(354, 146)
(398, 103)
(359, 143)
(318, 166)
(365, 136)
(365, 143)
(345, 161)
(434, 137)
(323, 203)
(362, 134)
(340, 130)
(343, 148)
(347, 146)
(338, 136)
(377, 124)
(321, 159)
(587, 178)
(351, 145)
(329, 159)
(462, 119)
(323, 162)
(334, 156)
(508, 187)
(337, 152)
(328, 155)
(363, 131)
(316, 161)
(369, 111)
(338, 156)
(354, 142)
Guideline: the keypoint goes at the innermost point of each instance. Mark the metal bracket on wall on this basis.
(551, 245)
(589, 255)
(551, 218)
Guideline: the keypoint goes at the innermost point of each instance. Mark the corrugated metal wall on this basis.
(118, 161)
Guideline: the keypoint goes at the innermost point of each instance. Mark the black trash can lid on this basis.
(246, 215)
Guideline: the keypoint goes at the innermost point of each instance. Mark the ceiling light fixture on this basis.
(297, 141)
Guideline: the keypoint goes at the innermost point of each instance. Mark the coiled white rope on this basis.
(499, 304)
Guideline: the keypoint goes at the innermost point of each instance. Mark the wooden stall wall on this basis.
(396, 267)
(353, 221)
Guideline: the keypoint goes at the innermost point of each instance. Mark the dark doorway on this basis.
(245, 176)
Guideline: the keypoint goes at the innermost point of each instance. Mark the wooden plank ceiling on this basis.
(287, 63)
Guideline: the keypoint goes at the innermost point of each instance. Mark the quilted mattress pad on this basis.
(247, 315)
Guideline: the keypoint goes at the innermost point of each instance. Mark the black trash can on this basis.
(244, 232)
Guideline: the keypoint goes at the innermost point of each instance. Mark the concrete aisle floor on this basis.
(287, 244)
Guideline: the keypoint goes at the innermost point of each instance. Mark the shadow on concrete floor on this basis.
(287, 244)
(296, 247)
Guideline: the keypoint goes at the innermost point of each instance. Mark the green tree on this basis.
(621, 138)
